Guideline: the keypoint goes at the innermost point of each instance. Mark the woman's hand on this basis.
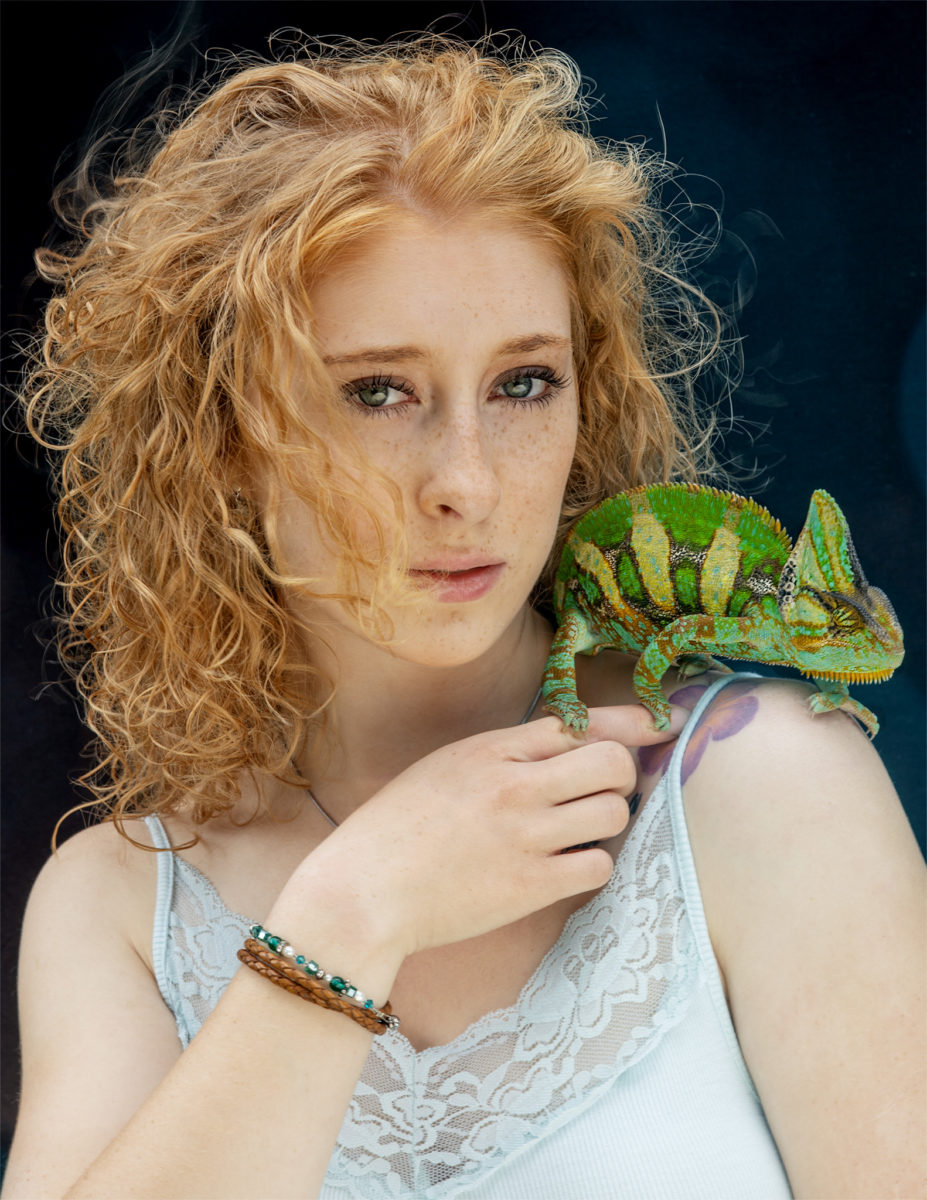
(470, 837)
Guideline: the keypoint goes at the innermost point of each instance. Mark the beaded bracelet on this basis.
(315, 981)
(255, 956)
(262, 961)
(315, 988)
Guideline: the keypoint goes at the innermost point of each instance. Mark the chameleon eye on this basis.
(846, 618)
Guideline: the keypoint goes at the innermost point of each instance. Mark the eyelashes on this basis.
(555, 383)
(378, 387)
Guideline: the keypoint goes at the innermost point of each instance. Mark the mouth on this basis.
(454, 584)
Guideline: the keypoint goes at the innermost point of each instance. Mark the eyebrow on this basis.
(388, 354)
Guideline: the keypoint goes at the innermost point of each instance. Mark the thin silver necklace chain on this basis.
(334, 824)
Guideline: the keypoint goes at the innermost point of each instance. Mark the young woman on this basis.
(332, 372)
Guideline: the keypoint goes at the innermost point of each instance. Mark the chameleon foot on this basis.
(660, 714)
(571, 711)
(688, 665)
(820, 702)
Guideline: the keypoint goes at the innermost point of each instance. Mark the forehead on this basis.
(423, 278)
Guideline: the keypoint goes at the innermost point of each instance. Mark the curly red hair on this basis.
(185, 289)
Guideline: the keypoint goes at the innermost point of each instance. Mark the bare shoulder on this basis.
(97, 875)
(759, 762)
(90, 1008)
(813, 887)
(102, 846)
(781, 805)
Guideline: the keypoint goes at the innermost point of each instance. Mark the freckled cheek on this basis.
(534, 470)
(549, 449)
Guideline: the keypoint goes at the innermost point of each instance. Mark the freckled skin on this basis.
(479, 475)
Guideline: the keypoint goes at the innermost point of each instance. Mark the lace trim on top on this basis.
(622, 973)
(196, 939)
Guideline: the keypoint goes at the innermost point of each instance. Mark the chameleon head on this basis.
(839, 626)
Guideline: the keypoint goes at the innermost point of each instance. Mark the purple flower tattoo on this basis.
(732, 711)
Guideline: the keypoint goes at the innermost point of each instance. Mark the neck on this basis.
(388, 712)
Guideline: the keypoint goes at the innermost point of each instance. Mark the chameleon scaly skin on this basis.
(677, 573)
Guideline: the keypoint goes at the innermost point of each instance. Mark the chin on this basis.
(454, 644)
(444, 655)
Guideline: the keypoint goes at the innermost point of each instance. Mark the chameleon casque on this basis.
(678, 573)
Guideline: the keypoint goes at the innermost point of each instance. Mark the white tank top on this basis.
(617, 1073)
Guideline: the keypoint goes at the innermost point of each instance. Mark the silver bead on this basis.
(288, 951)
(359, 996)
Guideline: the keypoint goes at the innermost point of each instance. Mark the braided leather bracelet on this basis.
(271, 972)
(298, 982)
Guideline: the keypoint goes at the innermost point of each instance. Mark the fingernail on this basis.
(678, 718)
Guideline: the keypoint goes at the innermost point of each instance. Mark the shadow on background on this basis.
(804, 120)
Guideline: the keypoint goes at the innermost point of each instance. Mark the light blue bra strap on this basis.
(165, 898)
(688, 877)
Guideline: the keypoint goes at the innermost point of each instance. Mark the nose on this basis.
(458, 473)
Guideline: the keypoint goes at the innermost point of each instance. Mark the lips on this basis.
(454, 583)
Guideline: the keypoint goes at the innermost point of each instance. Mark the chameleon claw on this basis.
(821, 702)
(688, 665)
(870, 723)
(571, 711)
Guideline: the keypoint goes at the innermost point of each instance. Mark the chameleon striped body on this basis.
(678, 573)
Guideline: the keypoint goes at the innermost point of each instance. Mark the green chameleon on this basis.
(678, 573)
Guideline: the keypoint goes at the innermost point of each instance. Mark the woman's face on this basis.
(451, 340)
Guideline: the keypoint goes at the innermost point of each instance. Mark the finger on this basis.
(540, 739)
(581, 871)
(632, 725)
(591, 819)
(628, 724)
(603, 766)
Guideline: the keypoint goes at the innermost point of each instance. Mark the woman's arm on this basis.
(110, 1107)
(814, 892)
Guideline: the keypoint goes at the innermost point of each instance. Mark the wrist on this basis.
(339, 925)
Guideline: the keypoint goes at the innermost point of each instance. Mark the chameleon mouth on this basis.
(853, 676)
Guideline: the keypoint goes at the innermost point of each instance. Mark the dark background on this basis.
(805, 121)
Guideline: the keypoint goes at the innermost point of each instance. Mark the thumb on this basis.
(633, 725)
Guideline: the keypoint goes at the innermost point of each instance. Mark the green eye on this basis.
(374, 395)
(519, 388)
(378, 392)
(531, 385)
